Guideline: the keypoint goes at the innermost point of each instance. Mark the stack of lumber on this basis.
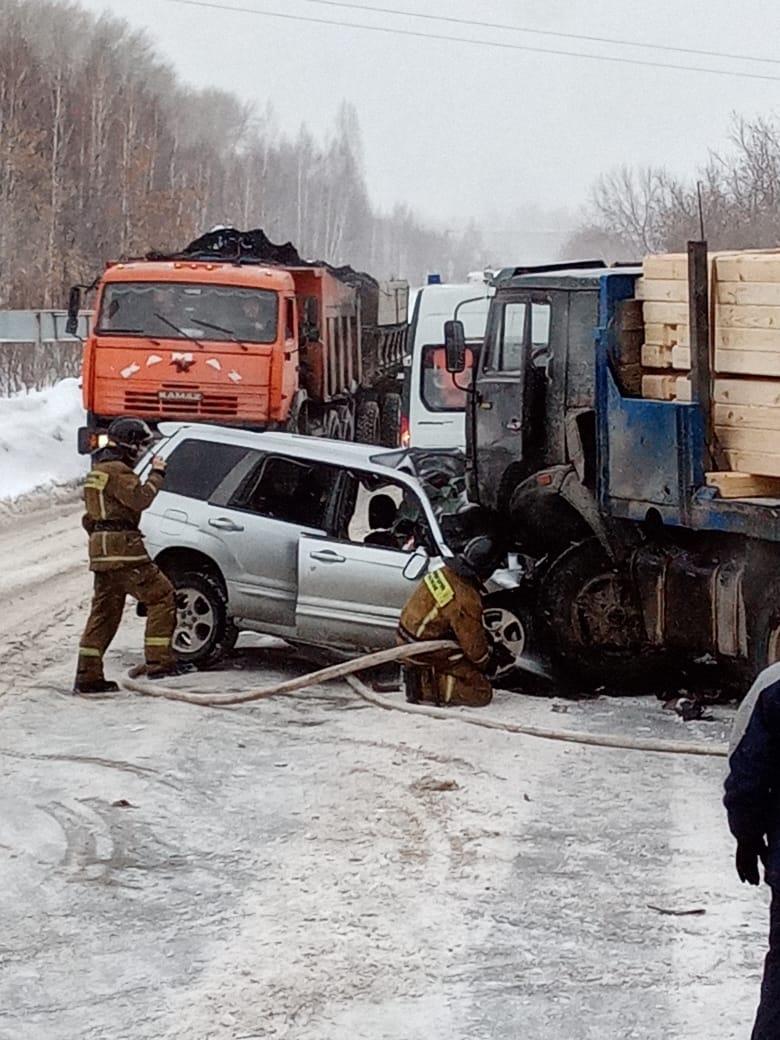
(745, 328)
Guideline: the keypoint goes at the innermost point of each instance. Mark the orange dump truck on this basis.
(237, 330)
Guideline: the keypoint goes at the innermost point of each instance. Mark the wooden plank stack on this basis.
(745, 325)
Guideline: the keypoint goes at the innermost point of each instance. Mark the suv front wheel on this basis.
(508, 619)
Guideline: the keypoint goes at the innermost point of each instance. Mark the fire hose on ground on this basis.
(347, 670)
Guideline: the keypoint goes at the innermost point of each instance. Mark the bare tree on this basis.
(104, 153)
(637, 211)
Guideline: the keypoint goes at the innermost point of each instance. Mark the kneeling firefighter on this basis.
(114, 499)
(447, 604)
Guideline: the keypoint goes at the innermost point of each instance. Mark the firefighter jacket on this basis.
(114, 498)
(446, 605)
(752, 797)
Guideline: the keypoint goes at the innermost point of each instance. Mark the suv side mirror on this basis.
(416, 565)
(74, 306)
(454, 346)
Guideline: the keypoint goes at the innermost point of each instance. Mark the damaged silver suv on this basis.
(313, 540)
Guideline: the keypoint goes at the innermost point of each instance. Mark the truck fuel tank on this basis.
(691, 601)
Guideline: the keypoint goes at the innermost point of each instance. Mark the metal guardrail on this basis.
(35, 350)
(39, 326)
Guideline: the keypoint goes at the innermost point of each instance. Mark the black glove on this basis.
(749, 852)
(500, 657)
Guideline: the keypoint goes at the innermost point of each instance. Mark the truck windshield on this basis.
(179, 310)
(438, 390)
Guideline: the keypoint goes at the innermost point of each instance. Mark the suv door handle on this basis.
(327, 556)
(222, 523)
(514, 425)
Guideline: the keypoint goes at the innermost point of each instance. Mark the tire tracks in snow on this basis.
(44, 581)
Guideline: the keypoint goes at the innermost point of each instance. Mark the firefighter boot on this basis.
(412, 684)
(84, 687)
(170, 671)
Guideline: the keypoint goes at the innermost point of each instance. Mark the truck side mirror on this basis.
(454, 346)
(74, 306)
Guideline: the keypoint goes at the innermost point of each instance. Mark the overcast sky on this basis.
(458, 130)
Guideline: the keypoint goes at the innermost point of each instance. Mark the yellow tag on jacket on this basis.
(439, 588)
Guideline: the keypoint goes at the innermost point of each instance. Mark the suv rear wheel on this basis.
(202, 633)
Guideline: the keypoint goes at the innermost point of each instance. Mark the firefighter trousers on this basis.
(454, 683)
(149, 586)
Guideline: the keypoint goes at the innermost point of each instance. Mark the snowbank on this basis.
(38, 439)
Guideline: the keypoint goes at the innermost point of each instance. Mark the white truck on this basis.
(434, 401)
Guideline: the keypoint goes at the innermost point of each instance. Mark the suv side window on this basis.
(291, 490)
(196, 468)
(383, 513)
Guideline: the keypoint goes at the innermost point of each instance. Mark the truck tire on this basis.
(332, 425)
(582, 590)
(347, 422)
(203, 633)
(367, 423)
(390, 426)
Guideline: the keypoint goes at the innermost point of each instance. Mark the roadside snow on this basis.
(38, 439)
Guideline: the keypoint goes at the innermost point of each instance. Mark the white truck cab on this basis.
(435, 403)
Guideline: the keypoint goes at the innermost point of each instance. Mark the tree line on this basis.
(104, 153)
(735, 194)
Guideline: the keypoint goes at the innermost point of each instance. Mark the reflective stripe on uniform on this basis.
(483, 660)
(96, 480)
(89, 651)
(449, 686)
(120, 559)
(157, 641)
(438, 586)
(434, 613)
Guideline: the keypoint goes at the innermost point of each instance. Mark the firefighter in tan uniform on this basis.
(115, 498)
(447, 604)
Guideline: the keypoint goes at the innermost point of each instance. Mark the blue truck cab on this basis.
(635, 558)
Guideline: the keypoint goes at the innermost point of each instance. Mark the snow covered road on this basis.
(313, 868)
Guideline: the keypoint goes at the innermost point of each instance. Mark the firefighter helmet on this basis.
(482, 555)
(130, 433)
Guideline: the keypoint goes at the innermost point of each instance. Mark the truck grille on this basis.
(212, 405)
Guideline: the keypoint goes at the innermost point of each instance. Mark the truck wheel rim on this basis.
(507, 628)
(195, 620)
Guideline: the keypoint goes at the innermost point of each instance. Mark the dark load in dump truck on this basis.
(639, 554)
(238, 330)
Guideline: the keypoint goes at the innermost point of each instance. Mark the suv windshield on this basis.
(179, 310)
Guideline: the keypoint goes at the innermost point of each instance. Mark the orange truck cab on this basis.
(239, 331)
(191, 340)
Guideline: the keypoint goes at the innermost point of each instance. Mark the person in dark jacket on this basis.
(752, 802)
(114, 499)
